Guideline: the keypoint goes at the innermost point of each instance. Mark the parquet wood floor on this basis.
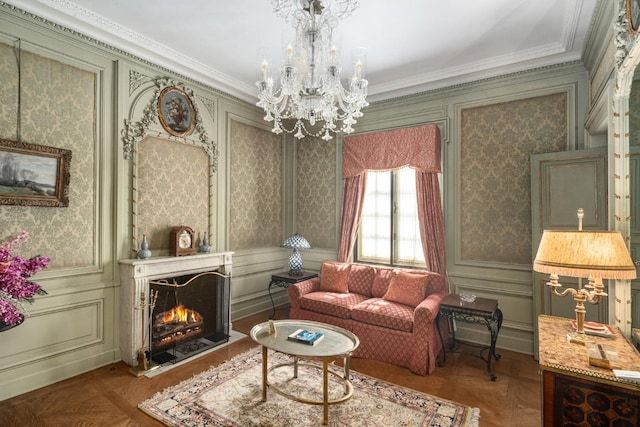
(109, 396)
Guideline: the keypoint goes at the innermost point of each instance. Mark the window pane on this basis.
(408, 244)
(374, 243)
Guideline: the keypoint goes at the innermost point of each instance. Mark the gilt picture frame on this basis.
(176, 112)
(34, 175)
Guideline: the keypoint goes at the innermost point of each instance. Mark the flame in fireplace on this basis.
(180, 314)
(178, 324)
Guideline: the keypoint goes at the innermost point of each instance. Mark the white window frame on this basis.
(390, 215)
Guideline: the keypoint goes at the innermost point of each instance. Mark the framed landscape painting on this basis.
(34, 175)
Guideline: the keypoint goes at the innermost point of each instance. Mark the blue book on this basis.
(305, 336)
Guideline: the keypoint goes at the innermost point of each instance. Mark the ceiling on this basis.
(412, 45)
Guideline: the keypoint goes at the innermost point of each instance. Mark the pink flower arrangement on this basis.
(15, 286)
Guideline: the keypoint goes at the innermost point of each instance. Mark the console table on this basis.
(481, 310)
(577, 393)
(285, 279)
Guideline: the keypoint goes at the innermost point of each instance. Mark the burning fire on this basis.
(176, 325)
(180, 314)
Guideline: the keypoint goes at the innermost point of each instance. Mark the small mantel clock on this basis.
(182, 242)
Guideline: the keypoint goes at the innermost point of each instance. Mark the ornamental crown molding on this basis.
(197, 77)
(484, 81)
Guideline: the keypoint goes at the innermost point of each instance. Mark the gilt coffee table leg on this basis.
(264, 374)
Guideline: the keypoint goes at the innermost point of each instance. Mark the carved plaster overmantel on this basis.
(135, 131)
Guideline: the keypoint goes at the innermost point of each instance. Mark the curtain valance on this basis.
(418, 147)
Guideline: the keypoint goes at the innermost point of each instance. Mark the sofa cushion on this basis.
(388, 314)
(407, 288)
(334, 277)
(331, 303)
(381, 282)
(361, 279)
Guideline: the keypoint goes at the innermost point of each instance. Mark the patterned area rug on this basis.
(230, 395)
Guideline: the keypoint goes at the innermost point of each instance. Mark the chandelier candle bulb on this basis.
(264, 70)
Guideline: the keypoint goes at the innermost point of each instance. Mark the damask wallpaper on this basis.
(58, 109)
(172, 183)
(256, 188)
(316, 191)
(495, 179)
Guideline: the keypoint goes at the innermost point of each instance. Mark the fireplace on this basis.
(136, 318)
(189, 315)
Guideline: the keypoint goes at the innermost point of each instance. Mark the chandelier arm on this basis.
(350, 98)
(271, 99)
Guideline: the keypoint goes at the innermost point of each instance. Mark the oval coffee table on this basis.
(337, 343)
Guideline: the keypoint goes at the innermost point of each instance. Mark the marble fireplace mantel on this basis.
(135, 275)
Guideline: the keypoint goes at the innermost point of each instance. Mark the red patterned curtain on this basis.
(431, 221)
(352, 200)
(417, 147)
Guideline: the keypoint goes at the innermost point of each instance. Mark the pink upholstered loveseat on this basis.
(392, 311)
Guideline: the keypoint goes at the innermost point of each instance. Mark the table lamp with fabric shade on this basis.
(595, 255)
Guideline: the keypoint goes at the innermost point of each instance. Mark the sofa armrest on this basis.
(297, 290)
(426, 313)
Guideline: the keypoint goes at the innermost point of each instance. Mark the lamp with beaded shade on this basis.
(295, 242)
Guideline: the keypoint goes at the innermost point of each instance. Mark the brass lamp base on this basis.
(579, 296)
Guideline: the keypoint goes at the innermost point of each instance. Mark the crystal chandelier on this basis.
(310, 88)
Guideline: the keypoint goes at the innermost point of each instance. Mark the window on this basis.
(389, 231)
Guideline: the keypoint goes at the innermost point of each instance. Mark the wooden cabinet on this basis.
(576, 393)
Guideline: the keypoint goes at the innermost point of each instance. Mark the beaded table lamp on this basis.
(295, 242)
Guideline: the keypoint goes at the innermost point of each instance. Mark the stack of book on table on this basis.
(306, 336)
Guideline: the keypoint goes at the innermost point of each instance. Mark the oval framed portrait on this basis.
(633, 15)
(175, 111)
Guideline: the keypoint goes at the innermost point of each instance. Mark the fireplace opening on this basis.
(190, 315)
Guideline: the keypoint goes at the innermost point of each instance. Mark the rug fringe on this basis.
(473, 418)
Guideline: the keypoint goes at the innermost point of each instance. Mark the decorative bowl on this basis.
(467, 297)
